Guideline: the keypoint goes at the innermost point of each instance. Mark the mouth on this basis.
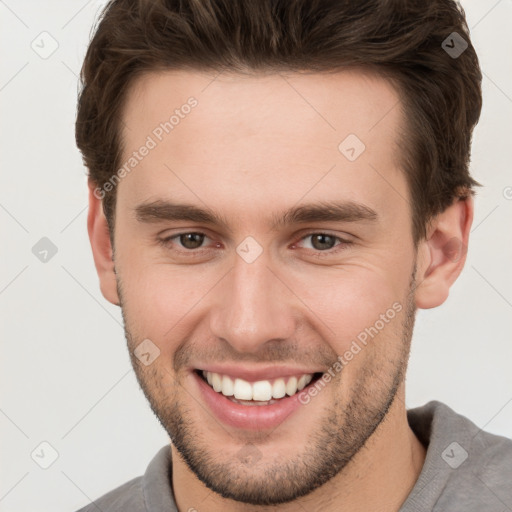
(255, 405)
(262, 392)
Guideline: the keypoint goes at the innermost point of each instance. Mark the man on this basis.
(275, 188)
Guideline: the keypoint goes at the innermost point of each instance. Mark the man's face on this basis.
(258, 299)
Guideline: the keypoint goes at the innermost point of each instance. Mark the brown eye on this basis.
(191, 240)
(320, 244)
(322, 241)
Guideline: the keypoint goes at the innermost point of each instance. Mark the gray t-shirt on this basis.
(466, 469)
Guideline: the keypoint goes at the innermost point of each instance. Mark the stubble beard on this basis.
(326, 451)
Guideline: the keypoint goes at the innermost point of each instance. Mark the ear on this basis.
(99, 232)
(442, 255)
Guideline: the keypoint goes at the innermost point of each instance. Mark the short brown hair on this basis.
(401, 40)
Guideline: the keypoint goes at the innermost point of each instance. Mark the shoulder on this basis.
(149, 492)
(490, 466)
(127, 497)
(435, 423)
(466, 468)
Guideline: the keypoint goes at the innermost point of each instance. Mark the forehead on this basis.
(250, 139)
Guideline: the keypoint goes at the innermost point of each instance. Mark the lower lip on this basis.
(251, 417)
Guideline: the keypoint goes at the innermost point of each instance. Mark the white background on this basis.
(65, 373)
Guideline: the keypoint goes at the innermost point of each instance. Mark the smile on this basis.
(261, 391)
(252, 404)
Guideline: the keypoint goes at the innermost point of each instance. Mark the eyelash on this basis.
(165, 242)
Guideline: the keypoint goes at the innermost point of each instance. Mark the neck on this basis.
(379, 477)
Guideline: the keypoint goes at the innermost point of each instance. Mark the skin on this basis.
(253, 147)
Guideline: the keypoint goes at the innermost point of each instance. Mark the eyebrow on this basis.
(323, 211)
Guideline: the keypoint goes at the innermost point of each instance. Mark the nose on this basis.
(253, 307)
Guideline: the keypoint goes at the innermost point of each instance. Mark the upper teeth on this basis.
(262, 390)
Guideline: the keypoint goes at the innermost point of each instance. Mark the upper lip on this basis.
(256, 374)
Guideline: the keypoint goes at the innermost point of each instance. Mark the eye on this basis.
(189, 241)
(325, 242)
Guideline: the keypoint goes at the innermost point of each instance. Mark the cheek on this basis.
(350, 300)
(161, 301)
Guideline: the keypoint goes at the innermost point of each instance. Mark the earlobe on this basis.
(99, 236)
(442, 255)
